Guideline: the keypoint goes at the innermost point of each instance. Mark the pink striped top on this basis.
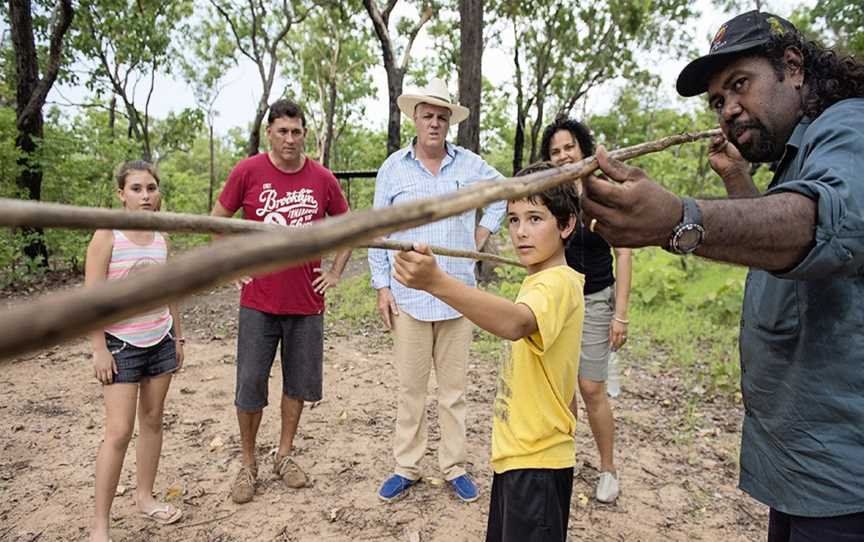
(147, 328)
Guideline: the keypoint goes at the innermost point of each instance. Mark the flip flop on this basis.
(169, 514)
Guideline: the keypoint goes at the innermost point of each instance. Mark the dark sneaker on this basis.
(465, 488)
(394, 488)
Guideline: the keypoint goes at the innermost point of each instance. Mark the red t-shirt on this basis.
(269, 195)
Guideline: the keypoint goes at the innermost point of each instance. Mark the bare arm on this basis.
(623, 276)
(419, 270)
(772, 232)
(96, 271)
(481, 235)
(179, 340)
(728, 163)
(222, 212)
(331, 277)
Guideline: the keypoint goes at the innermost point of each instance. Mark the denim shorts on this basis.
(135, 363)
(302, 349)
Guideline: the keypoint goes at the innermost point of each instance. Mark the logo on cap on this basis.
(718, 42)
(775, 26)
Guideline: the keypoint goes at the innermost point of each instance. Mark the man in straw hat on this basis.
(426, 331)
(778, 98)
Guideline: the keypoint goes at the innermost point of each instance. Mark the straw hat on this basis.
(435, 93)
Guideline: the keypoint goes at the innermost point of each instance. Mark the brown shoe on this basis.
(243, 488)
(289, 471)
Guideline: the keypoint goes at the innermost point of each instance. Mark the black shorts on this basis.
(530, 505)
(787, 528)
(135, 363)
(259, 335)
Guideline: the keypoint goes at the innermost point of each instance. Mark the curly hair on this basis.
(579, 131)
(561, 200)
(829, 77)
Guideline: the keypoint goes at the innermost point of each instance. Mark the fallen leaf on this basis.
(434, 481)
(174, 492)
(121, 490)
(583, 500)
(216, 443)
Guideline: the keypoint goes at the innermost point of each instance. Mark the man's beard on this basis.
(760, 147)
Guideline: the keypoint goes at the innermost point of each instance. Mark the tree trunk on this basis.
(470, 75)
(112, 115)
(395, 78)
(30, 95)
(331, 114)
(518, 142)
(212, 170)
(254, 144)
(538, 122)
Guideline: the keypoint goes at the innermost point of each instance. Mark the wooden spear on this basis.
(18, 213)
(56, 317)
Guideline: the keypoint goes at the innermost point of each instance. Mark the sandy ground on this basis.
(677, 452)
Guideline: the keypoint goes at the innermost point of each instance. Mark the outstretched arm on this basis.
(772, 232)
(419, 270)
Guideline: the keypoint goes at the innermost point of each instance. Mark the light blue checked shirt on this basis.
(402, 177)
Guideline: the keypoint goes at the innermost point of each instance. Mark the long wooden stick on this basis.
(56, 317)
(17, 213)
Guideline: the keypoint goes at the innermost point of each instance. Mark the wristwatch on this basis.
(689, 233)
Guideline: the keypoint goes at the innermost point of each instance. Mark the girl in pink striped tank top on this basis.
(134, 359)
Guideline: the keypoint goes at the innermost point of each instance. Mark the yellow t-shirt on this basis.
(532, 425)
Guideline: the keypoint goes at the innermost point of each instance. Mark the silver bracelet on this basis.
(620, 320)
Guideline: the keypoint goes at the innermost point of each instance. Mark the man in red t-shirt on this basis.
(282, 186)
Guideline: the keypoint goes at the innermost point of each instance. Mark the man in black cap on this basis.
(778, 98)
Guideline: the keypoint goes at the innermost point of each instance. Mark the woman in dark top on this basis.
(605, 329)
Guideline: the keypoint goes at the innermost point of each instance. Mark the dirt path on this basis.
(677, 453)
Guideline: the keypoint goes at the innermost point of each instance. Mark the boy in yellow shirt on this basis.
(533, 449)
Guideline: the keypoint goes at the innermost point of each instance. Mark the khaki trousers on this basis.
(418, 346)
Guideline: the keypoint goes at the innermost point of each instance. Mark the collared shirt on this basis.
(802, 335)
(402, 178)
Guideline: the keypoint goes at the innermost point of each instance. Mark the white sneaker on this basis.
(607, 487)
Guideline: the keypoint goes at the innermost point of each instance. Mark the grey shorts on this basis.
(135, 363)
(594, 360)
(302, 339)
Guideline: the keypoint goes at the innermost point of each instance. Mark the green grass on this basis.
(353, 303)
(698, 328)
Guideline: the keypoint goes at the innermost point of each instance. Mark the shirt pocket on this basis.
(771, 304)
(409, 191)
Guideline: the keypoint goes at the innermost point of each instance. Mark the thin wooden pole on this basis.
(14, 212)
(57, 317)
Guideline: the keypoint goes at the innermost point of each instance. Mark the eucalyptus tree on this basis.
(396, 67)
(561, 50)
(333, 72)
(31, 91)
(846, 21)
(125, 45)
(262, 32)
(210, 56)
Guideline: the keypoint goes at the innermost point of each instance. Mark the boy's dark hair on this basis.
(286, 108)
(561, 200)
(579, 131)
(135, 165)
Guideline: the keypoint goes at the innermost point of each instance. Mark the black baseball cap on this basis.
(745, 32)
